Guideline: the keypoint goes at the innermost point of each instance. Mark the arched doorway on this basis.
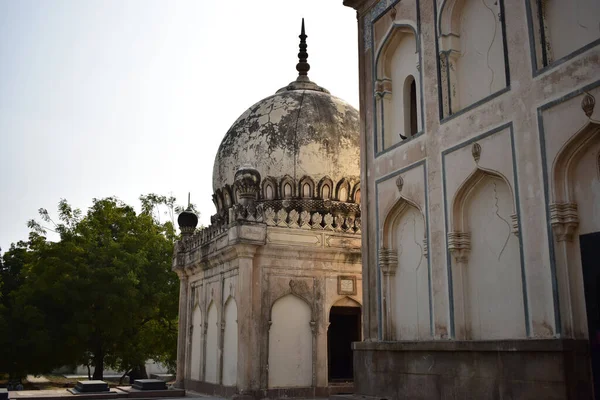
(344, 328)
(590, 262)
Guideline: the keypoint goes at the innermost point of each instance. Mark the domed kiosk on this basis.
(270, 292)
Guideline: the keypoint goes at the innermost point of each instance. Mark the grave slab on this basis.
(90, 387)
(149, 384)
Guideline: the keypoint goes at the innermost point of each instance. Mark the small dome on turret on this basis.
(188, 221)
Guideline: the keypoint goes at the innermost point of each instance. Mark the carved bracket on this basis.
(514, 218)
(459, 244)
(388, 261)
(564, 220)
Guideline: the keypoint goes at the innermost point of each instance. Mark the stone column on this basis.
(182, 328)
(388, 260)
(459, 245)
(565, 221)
(249, 351)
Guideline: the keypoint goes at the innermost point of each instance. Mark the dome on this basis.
(296, 132)
(187, 221)
(296, 148)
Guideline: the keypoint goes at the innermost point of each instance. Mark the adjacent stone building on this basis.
(270, 294)
(480, 153)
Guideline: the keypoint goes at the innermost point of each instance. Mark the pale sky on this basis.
(128, 97)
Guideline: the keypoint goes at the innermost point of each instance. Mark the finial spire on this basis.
(189, 200)
(302, 67)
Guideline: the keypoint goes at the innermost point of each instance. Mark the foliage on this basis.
(103, 295)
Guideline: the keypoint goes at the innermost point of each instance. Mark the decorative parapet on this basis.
(564, 219)
(459, 244)
(388, 261)
(315, 220)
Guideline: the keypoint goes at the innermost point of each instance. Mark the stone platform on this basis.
(549, 369)
(121, 392)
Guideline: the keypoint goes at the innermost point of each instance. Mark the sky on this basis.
(127, 97)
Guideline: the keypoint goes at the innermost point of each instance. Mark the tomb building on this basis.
(480, 149)
(270, 291)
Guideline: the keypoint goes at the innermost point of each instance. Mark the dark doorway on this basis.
(590, 262)
(344, 328)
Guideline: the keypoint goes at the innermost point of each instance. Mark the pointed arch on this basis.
(390, 40)
(228, 199)
(398, 58)
(345, 301)
(461, 197)
(287, 187)
(355, 194)
(325, 188)
(230, 343)
(290, 328)
(391, 218)
(342, 190)
(405, 272)
(291, 293)
(486, 266)
(306, 187)
(449, 17)
(564, 164)
(196, 342)
(212, 343)
(269, 188)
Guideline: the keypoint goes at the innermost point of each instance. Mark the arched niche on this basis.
(397, 60)
(306, 187)
(290, 343)
(269, 188)
(355, 195)
(449, 17)
(575, 211)
(472, 54)
(325, 188)
(287, 187)
(212, 344)
(230, 343)
(405, 273)
(488, 287)
(196, 343)
(228, 198)
(342, 190)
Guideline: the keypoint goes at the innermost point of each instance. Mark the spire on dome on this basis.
(302, 82)
(302, 67)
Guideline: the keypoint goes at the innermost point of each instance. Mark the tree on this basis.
(104, 294)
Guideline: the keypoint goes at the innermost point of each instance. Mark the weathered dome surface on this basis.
(300, 131)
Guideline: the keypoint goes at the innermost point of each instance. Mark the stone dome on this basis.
(302, 130)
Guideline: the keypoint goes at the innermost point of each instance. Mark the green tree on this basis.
(104, 294)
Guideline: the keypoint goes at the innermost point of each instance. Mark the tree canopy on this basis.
(102, 295)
